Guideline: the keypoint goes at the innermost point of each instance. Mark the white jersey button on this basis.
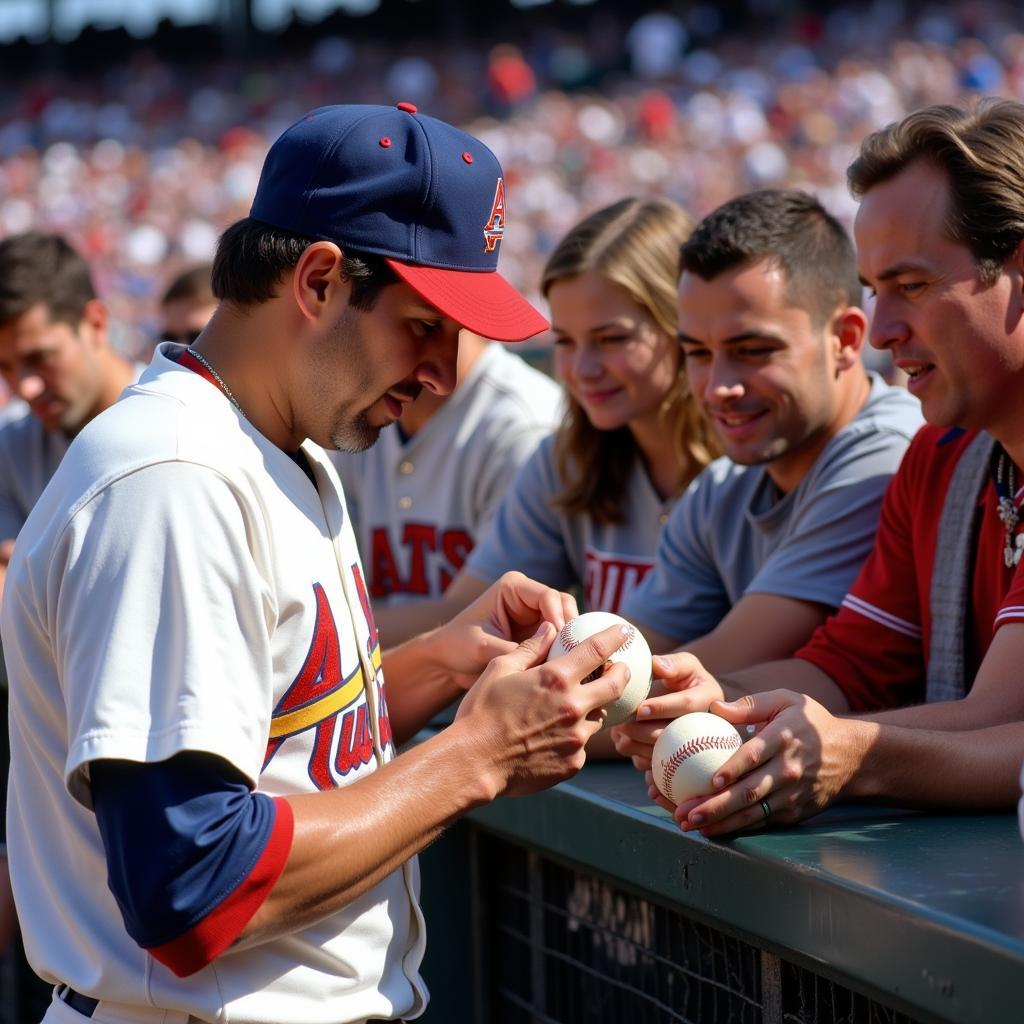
(405, 467)
(405, 503)
(663, 518)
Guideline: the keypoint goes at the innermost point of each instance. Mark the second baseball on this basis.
(689, 752)
(634, 652)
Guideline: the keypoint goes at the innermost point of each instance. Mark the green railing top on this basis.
(926, 910)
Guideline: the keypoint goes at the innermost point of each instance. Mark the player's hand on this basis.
(504, 615)
(529, 720)
(681, 685)
(800, 761)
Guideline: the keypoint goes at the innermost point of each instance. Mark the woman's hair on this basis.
(635, 245)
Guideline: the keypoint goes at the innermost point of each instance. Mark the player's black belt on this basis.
(85, 1005)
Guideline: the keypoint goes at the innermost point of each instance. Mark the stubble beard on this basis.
(354, 435)
(351, 431)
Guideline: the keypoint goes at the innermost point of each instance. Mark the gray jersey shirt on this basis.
(607, 560)
(29, 456)
(418, 506)
(732, 533)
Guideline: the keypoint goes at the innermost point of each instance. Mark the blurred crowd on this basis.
(143, 165)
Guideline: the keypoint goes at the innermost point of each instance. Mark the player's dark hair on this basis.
(980, 152)
(634, 245)
(193, 284)
(40, 268)
(253, 257)
(789, 229)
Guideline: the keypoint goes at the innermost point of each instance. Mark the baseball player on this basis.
(586, 508)
(911, 692)
(420, 496)
(57, 361)
(199, 714)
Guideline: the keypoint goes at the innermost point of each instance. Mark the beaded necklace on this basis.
(1009, 513)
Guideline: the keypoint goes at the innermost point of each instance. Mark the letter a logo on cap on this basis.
(495, 226)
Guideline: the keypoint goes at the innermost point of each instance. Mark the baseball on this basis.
(689, 752)
(634, 653)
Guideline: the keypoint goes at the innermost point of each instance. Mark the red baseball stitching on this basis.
(568, 641)
(565, 637)
(695, 746)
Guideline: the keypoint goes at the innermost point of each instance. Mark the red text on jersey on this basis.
(325, 699)
(608, 579)
(434, 558)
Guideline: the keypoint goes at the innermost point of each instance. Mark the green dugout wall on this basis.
(586, 905)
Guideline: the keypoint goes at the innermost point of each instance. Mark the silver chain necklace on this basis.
(199, 357)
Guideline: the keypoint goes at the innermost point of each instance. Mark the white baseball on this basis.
(634, 652)
(689, 752)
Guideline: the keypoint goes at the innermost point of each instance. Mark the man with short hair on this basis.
(927, 646)
(766, 541)
(206, 804)
(57, 361)
(187, 305)
(56, 357)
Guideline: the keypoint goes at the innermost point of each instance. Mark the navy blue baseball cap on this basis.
(423, 194)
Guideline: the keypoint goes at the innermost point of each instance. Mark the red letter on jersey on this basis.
(455, 544)
(384, 578)
(418, 538)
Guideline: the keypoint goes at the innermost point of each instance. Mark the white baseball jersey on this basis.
(607, 559)
(182, 585)
(419, 505)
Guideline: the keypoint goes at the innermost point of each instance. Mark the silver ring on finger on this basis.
(766, 808)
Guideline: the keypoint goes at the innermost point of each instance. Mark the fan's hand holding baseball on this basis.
(681, 685)
(504, 615)
(529, 720)
(800, 761)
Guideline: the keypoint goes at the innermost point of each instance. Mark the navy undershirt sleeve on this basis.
(180, 836)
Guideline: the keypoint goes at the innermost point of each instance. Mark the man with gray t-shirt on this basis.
(764, 544)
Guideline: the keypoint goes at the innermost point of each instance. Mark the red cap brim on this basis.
(484, 303)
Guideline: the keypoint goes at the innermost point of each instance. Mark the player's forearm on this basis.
(418, 686)
(398, 624)
(347, 840)
(790, 674)
(977, 769)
